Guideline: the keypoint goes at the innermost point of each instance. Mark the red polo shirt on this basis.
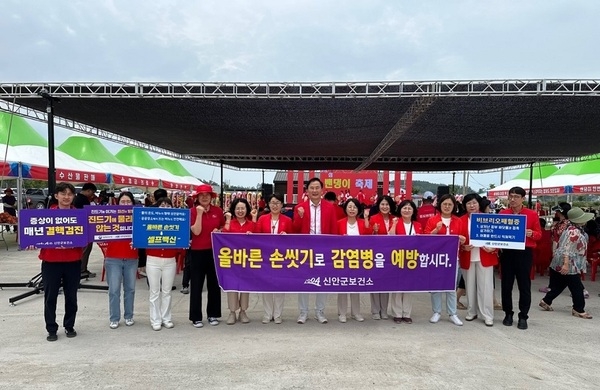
(211, 220)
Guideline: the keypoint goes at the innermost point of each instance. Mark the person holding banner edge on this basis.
(121, 262)
(402, 302)
(240, 224)
(314, 216)
(274, 223)
(445, 222)
(61, 266)
(477, 267)
(516, 264)
(352, 226)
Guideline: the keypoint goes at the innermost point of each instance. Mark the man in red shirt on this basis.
(516, 264)
(314, 217)
(427, 210)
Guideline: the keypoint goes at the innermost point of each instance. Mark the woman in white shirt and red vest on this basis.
(381, 223)
(402, 302)
(161, 266)
(445, 222)
(274, 223)
(240, 224)
(352, 226)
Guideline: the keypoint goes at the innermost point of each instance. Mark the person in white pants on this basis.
(161, 266)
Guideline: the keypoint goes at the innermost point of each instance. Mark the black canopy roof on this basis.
(428, 126)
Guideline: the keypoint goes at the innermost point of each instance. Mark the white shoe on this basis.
(129, 321)
(435, 318)
(342, 318)
(168, 324)
(114, 324)
(266, 319)
(358, 318)
(157, 327)
(278, 320)
(320, 317)
(197, 324)
(489, 322)
(455, 320)
(302, 318)
(384, 316)
(376, 316)
(213, 321)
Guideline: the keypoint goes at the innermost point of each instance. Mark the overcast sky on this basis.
(260, 41)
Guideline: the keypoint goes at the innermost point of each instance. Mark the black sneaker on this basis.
(522, 324)
(508, 320)
(70, 332)
(52, 337)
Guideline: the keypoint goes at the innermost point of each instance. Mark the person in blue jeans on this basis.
(121, 263)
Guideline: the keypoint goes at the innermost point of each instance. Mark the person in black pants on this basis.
(516, 264)
(61, 266)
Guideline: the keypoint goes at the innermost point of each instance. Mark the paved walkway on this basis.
(558, 351)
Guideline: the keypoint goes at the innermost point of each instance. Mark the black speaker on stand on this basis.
(267, 189)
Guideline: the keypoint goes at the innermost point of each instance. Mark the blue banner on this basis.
(157, 227)
(335, 264)
(498, 230)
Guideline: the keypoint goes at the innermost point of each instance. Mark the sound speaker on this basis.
(267, 189)
(442, 190)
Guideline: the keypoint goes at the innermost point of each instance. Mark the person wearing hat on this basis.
(560, 224)
(205, 219)
(568, 262)
(427, 210)
(9, 201)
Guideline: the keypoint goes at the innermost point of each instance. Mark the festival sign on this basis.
(498, 230)
(107, 223)
(161, 227)
(351, 181)
(292, 263)
(53, 228)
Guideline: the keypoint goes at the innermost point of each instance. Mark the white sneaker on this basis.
(198, 324)
(384, 316)
(157, 327)
(213, 321)
(129, 321)
(358, 318)
(342, 318)
(266, 319)
(455, 320)
(168, 324)
(302, 318)
(278, 320)
(114, 324)
(320, 317)
(376, 316)
(435, 318)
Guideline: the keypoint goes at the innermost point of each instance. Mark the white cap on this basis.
(428, 195)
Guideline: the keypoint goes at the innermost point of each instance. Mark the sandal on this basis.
(460, 306)
(545, 306)
(583, 315)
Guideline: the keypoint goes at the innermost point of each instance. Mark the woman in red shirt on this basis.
(273, 222)
(382, 222)
(61, 266)
(445, 222)
(409, 226)
(352, 226)
(240, 224)
(161, 266)
(120, 263)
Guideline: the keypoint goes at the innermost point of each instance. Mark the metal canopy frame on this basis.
(397, 142)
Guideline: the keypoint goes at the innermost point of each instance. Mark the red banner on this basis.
(349, 184)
